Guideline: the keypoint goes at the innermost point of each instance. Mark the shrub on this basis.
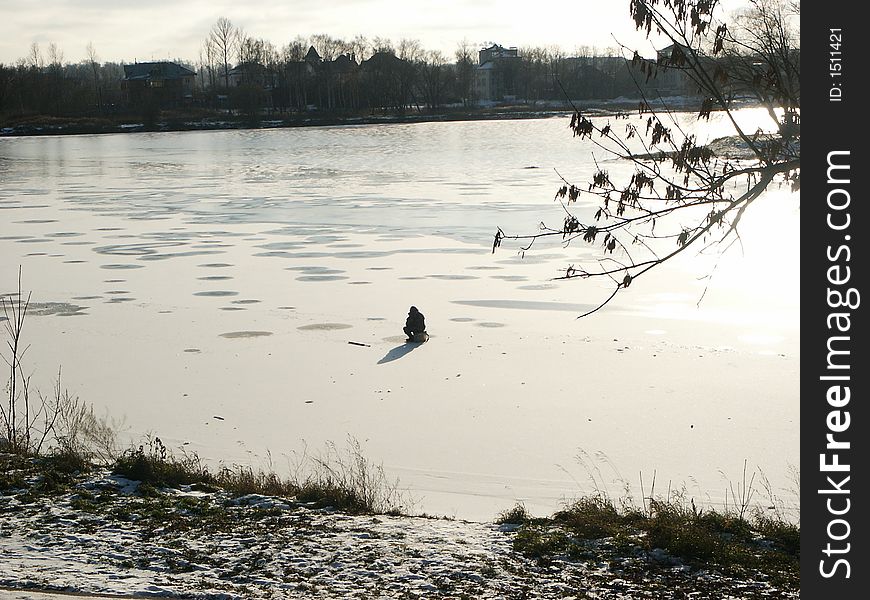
(518, 515)
(158, 467)
(541, 542)
(70, 463)
(785, 537)
(677, 530)
(591, 517)
(243, 480)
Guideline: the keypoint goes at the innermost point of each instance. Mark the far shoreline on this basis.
(47, 126)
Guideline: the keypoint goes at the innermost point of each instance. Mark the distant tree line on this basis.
(379, 75)
(43, 84)
(252, 76)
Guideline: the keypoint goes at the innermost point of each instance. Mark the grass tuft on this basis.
(518, 515)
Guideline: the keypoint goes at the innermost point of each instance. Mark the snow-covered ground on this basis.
(103, 538)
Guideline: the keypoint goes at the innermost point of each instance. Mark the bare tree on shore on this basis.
(94, 62)
(223, 41)
(465, 61)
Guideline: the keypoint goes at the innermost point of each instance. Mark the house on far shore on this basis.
(252, 73)
(312, 56)
(672, 78)
(494, 78)
(168, 83)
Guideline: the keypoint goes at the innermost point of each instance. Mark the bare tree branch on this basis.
(680, 190)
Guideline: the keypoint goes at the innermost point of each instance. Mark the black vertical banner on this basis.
(835, 562)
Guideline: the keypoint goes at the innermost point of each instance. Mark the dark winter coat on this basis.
(416, 322)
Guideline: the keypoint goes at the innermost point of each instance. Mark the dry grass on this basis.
(340, 478)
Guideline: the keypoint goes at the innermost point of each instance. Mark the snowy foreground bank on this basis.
(103, 536)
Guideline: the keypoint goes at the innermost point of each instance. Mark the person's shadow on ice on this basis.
(398, 352)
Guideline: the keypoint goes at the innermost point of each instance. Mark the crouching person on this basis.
(415, 326)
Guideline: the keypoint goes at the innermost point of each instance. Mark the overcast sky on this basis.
(145, 30)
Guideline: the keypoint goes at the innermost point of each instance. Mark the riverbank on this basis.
(93, 531)
(207, 120)
(55, 126)
(201, 120)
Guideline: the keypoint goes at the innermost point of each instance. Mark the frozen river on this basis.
(204, 286)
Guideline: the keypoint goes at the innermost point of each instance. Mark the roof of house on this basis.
(312, 55)
(156, 70)
(673, 51)
(344, 63)
(382, 59)
(500, 51)
(247, 67)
